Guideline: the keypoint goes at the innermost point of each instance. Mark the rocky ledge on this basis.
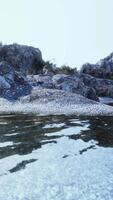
(29, 84)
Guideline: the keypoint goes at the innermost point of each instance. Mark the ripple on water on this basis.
(56, 157)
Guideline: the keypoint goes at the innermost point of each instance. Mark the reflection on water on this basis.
(30, 141)
(22, 134)
(100, 130)
(21, 165)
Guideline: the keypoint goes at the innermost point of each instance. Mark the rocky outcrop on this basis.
(12, 83)
(75, 85)
(102, 87)
(99, 76)
(102, 69)
(22, 69)
(24, 59)
(16, 61)
(64, 82)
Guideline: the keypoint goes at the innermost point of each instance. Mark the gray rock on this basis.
(20, 79)
(16, 61)
(40, 81)
(24, 59)
(67, 86)
(89, 93)
(48, 71)
(7, 71)
(4, 84)
(12, 83)
(91, 69)
(20, 63)
(103, 87)
(74, 84)
(103, 68)
(59, 78)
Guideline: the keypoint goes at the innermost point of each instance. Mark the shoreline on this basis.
(55, 102)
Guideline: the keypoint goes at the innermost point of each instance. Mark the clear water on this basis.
(56, 158)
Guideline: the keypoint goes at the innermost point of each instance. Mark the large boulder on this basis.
(25, 59)
(103, 87)
(12, 83)
(74, 84)
(66, 82)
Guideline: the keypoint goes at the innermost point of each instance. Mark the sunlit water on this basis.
(56, 158)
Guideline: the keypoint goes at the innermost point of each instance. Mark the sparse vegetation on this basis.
(64, 69)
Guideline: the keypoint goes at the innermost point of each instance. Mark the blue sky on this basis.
(68, 32)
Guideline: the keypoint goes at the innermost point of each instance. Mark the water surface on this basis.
(56, 158)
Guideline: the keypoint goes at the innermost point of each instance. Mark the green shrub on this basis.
(66, 70)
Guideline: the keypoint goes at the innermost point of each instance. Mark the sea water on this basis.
(56, 157)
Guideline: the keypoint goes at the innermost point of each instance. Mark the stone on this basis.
(102, 87)
(22, 69)
(25, 59)
(7, 71)
(20, 79)
(48, 71)
(15, 92)
(74, 84)
(102, 69)
(59, 78)
(40, 81)
(89, 93)
(4, 85)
